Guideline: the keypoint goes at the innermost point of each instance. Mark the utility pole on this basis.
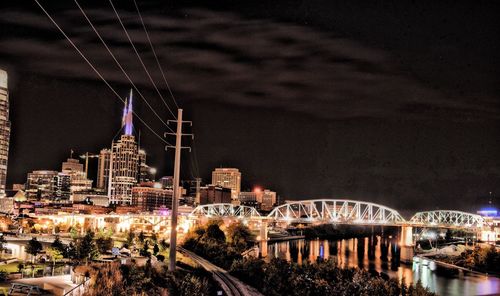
(177, 190)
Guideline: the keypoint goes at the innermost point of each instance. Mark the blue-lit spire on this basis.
(129, 126)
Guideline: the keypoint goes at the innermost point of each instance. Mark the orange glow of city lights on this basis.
(257, 189)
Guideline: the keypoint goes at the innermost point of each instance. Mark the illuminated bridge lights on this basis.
(447, 218)
(336, 211)
(225, 210)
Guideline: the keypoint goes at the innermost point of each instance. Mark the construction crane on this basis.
(86, 156)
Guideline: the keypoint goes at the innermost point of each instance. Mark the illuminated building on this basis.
(78, 178)
(61, 186)
(268, 200)
(146, 173)
(7, 204)
(124, 161)
(247, 197)
(149, 198)
(103, 168)
(262, 199)
(4, 130)
(167, 181)
(228, 178)
(215, 194)
(71, 165)
(40, 184)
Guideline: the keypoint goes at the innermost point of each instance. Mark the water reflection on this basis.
(381, 254)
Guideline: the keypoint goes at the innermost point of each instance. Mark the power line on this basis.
(139, 57)
(97, 71)
(156, 57)
(119, 64)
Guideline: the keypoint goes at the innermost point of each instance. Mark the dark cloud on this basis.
(223, 57)
(396, 104)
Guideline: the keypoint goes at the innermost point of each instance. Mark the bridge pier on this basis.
(263, 239)
(406, 244)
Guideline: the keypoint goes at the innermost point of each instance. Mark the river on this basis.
(382, 255)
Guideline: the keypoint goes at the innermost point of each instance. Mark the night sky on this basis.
(395, 102)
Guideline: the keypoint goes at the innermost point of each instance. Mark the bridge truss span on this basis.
(341, 211)
(447, 219)
(224, 210)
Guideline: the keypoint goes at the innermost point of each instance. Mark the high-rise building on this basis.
(124, 161)
(268, 200)
(215, 194)
(40, 184)
(144, 169)
(167, 181)
(249, 198)
(228, 178)
(4, 130)
(103, 169)
(150, 198)
(77, 177)
(61, 186)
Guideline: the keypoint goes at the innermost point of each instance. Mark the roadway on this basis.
(231, 285)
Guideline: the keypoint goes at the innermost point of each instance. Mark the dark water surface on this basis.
(382, 255)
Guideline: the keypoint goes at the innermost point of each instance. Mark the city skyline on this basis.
(422, 133)
(249, 149)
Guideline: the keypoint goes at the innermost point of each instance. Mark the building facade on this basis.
(71, 165)
(4, 130)
(215, 194)
(103, 165)
(124, 161)
(40, 184)
(150, 199)
(268, 200)
(228, 178)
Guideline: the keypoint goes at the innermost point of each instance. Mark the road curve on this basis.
(230, 285)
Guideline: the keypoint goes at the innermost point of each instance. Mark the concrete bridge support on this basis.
(263, 239)
(406, 244)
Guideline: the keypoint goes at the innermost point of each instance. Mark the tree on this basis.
(71, 251)
(104, 244)
(156, 249)
(154, 237)
(55, 255)
(164, 245)
(141, 236)
(3, 241)
(214, 233)
(87, 249)
(130, 238)
(3, 275)
(239, 236)
(33, 248)
(73, 232)
(58, 245)
(145, 250)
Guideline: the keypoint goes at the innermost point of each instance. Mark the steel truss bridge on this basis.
(343, 211)
(448, 219)
(225, 210)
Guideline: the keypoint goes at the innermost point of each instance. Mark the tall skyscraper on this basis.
(124, 161)
(4, 130)
(229, 178)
